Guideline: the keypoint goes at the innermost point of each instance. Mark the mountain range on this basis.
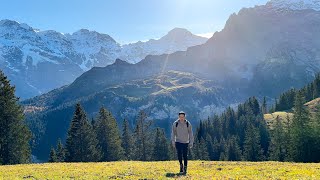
(40, 61)
(261, 51)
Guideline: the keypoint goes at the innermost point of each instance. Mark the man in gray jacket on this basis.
(182, 138)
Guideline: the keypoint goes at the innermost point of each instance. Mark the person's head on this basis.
(182, 115)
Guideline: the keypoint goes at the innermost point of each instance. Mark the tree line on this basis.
(286, 100)
(235, 134)
(301, 134)
(101, 140)
(244, 135)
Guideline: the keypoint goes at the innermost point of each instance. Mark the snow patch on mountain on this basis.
(96, 48)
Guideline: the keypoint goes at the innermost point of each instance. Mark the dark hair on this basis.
(181, 112)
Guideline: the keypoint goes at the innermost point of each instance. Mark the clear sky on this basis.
(124, 20)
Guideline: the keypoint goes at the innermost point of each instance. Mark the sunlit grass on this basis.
(162, 170)
(271, 118)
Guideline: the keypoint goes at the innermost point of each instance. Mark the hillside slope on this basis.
(271, 117)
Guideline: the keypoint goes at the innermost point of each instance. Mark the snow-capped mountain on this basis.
(295, 4)
(97, 49)
(177, 39)
(39, 61)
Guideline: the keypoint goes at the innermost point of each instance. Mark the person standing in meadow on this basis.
(182, 138)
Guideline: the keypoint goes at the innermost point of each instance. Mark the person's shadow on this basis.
(175, 174)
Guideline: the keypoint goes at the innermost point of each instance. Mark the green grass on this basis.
(162, 170)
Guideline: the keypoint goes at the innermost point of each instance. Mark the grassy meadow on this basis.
(162, 170)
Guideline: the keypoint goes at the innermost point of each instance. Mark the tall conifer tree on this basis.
(81, 143)
(15, 136)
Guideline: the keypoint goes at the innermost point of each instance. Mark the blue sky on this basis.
(124, 20)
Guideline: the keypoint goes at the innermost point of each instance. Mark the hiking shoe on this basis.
(185, 169)
(181, 168)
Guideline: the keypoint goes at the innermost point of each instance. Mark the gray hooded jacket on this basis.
(182, 133)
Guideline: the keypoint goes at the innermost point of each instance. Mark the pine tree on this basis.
(301, 132)
(316, 136)
(203, 150)
(14, 133)
(230, 119)
(216, 127)
(287, 139)
(233, 152)
(53, 155)
(81, 143)
(60, 151)
(276, 105)
(161, 147)
(127, 140)
(93, 123)
(200, 131)
(196, 150)
(142, 138)
(216, 150)
(308, 91)
(264, 135)
(210, 147)
(316, 87)
(109, 136)
(264, 108)
(254, 105)
(277, 147)
(252, 147)
(222, 149)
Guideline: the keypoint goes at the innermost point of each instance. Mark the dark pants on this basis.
(182, 150)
